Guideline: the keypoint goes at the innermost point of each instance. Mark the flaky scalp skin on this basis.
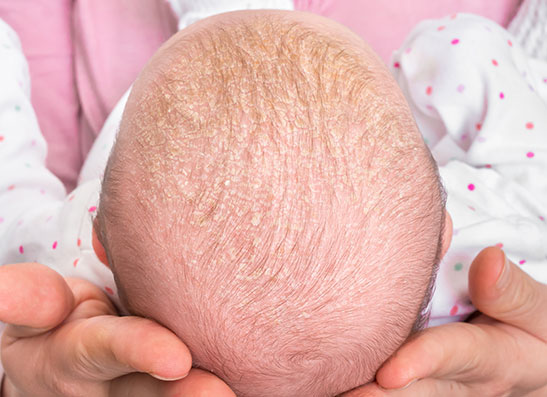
(270, 200)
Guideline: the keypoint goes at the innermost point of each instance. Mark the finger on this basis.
(106, 347)
(451, 351)
(423, 388)
(368, 390)
(432, 388)
(33, 297)
(503, 291)
(89, 300)
(198, 383)
(95, 351)
(203, 383)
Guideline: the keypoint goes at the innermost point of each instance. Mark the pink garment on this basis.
(384, 24)
(45, 32)
(113, 39)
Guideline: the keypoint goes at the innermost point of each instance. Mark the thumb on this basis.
(197, 383)
(501, 290)
(33, 299)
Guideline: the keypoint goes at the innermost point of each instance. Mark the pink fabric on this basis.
(45, 32)
(385, 24)
(113, 39)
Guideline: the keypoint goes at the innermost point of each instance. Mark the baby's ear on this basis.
(447, 233)
(98, 247)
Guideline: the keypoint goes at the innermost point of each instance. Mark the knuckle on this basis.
(55, 383)
(82, 357)
(497, 386)
(521, 298)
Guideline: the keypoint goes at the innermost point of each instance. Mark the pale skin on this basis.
(56, 321)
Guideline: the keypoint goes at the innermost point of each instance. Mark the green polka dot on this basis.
(458, 266)
(27, 165)
(17, 108)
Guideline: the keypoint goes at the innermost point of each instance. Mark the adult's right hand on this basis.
(65, 339)
(502, 352)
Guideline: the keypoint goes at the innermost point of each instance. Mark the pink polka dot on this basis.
(499, 245)
(75, 262)
(79, 242)
(441, 28)
(1, 220)
(471, 187)
(54, 246)
(42, 191)
(455, 41)
(109, 290)
(71, 197)
(510, 43)
(21, 249)
(481, 139)
(471, 208)
(429, 90)
(530, 155)
(1, 138)
(502, 95)
(542, 218)
(488, 165)
(396, 65)
(429, 107)
(461, 88)
(478, 126)
(408, 50)
(494, 62)
(522, 262)
(453, 16)
(454, 310)
(529, 125)
(11, 187)
(93, 208)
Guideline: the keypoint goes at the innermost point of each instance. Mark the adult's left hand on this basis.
(502, 352)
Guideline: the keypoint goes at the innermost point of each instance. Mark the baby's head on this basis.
(270, 200)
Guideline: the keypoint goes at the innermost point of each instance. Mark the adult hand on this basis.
(502, 352)
(65, 339)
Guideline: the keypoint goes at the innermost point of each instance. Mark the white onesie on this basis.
(478, 99)
(481, 105)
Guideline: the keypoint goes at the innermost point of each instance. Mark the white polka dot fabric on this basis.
(39, 222)
(480, 103)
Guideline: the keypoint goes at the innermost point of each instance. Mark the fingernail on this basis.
(400, 388)
(168, 379)
(503, 278)
(408, 384)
